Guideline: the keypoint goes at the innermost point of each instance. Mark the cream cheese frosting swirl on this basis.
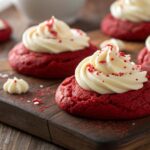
(54, 36)
(109, 71)
(148, 43)
(131, 10)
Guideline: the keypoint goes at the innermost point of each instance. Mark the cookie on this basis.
(5, 32)
(46, 65)
(77, 101)
(125, 30)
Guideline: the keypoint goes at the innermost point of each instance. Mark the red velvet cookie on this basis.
(125, 30)
(144, 59)
(6, 32)
(46, 65)
(130, 105)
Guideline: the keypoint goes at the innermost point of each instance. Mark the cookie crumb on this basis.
(41, 86)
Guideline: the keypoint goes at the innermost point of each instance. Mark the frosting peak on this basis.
(131, 10)
(54, 36)
(109, 71)
(16, 86)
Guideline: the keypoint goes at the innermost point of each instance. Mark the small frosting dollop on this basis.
(131, 10)
(118, 42)
(109, 71)
(2, 25)
(148, 43)
(54, 36)
(16, 86)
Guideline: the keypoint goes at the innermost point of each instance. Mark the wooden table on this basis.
(11, 138)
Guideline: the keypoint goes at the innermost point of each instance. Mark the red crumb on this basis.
(15, 81)
(43, 108)
(43, 92)
(37, 101)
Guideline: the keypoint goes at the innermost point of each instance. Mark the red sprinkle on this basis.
(43, 108)
(91, 68)
(54, 33)
(112, 59)
(122, 54)
(125, 60)
(102, 62)
(79, 31)
(97, 73)
(111, 46)
(50, 23)
(60, 41)
(15, 81)
(118, 74)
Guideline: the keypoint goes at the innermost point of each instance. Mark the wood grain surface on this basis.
(13, 139)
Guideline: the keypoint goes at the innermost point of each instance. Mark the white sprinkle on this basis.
(41, 86)
(36, 103)
(5, 75)
(28, 101)
(133, 123)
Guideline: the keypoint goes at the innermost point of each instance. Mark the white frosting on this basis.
(16, 86)
(109, 71)
(2, 25)
(120, 43)
(131, 10)
(148, 43)
(54, 36)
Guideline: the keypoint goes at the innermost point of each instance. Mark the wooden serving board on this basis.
(48, 122)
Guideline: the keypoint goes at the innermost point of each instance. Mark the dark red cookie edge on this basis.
(71, 98)
(125, 30)
(45, 65)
